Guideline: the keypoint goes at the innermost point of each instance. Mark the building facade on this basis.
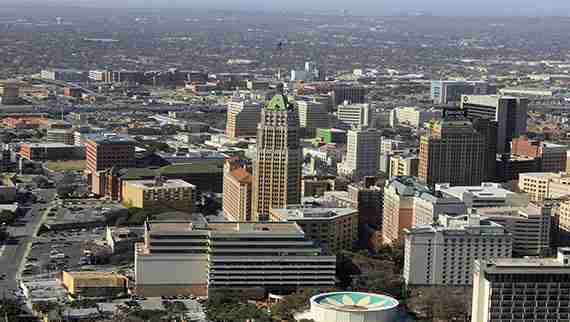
(444, 254)
(362, 154)
(413, 116)
(510, 113)
(355, 115)
(544, 185)
(242, 118)
(333, 228)
(446, 92)
(531, 227)
(453, 152)
(51, 151)
(486, 195)
(236, 202)
(398, 211)
(277, 167)
(249, 259)
(552, 156)
(404, 165)
(350, 93)
(522, 289)
(159, 193)
(312, 115)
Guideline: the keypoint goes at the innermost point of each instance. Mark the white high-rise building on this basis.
(355, 115)
(444, 254)
(363, 151)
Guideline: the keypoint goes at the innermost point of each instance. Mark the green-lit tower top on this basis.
(279, 102)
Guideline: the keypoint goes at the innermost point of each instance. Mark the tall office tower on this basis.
(552, 156)
(355, 115)
(488, 129)
(398, 207)
(362, 154)
(347, 92)
(236, 203)
(453, 152)
(443, 254)
(522, 289)
(104, 152)
(312, 115)
(243, 116)
(510, 113)
(445, 92)
(277, 167)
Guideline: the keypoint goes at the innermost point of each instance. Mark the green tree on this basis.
(293, 304)
(225, 308)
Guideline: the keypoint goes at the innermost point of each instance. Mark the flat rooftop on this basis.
(249, 227)
(108, 138)
(50, 145)
(313, 213)
(524, 266)
(166, 184)
(170, 227)
(485, 190)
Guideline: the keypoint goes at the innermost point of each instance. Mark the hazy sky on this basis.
(372, 7)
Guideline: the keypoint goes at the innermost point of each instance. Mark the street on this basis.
(14, 252)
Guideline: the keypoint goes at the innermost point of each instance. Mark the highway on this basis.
(12, 257)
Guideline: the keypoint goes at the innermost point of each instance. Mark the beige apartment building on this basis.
(237, 193)
(160, 193)
(334, 228)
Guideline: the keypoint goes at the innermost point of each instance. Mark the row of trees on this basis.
(222, 308)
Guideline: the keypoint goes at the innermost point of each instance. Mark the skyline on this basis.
(507, 8)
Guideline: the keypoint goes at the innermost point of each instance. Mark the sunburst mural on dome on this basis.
(357, 301)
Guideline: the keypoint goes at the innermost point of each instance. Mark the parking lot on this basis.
(57, 251)
(64, 214)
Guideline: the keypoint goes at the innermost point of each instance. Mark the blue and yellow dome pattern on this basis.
(356, 301)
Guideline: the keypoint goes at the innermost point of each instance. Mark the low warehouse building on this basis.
(94, 284)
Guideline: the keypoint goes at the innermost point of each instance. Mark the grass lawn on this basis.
(71, 165)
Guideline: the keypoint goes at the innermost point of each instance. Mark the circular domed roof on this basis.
(355, 301)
